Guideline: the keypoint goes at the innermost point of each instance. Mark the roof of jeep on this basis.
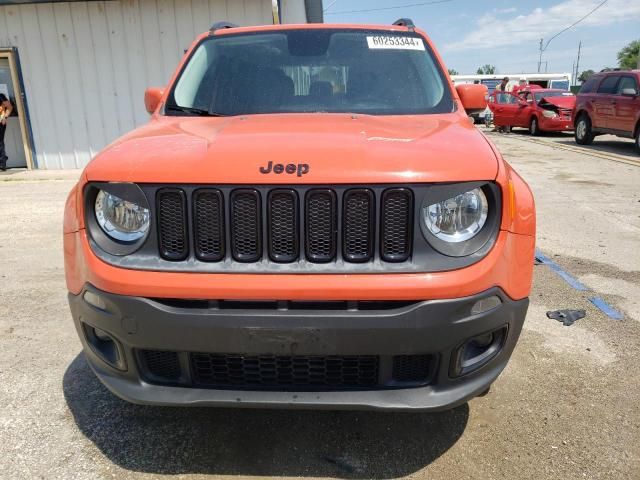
(310, 26)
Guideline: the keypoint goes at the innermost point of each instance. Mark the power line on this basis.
(388, 8)
(573, 24)
(330, 5)
(542, 49)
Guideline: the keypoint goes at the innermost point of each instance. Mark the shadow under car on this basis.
(167, 440)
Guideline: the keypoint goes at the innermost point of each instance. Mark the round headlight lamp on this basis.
(457, 219)
(120, 219)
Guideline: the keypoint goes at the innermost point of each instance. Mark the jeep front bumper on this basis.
(439, 330)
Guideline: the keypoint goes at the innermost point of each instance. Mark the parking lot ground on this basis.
(566, 407)
(607, 147)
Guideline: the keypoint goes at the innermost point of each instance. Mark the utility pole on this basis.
(575, 78)
(540, 58)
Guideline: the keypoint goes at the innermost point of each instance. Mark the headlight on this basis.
(549, 114)
(120, 219)
(459, 218)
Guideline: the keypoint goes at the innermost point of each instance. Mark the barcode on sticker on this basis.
(395, 43)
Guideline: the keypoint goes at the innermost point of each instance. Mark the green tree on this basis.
(628, 56)
(486, 70)
(585, 75)
(453, 71)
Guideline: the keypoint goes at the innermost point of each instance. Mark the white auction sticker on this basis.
(395, 43)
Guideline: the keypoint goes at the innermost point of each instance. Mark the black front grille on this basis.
(358, 225)
(208, 219)
(412, 368)
(285, 225)
(172, 224)
(396, 224)
(284, 372)
(246, 228)
(321, 226)
(161, 365)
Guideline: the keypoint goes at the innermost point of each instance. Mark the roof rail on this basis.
(405, 22)
(615, 70)
(220, 25)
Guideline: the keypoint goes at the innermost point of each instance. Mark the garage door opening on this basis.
(17, 140)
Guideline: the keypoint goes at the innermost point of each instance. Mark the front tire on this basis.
(638, 139)
(534, 127)
(583, 132)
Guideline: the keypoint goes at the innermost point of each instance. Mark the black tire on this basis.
(638, 139)
(534, 127)
(583, 132)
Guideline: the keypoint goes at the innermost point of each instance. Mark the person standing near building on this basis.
(5, 113)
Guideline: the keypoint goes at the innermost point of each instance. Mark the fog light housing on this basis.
(482, 341)
(477, 351)
(105, 346)
(102, 335)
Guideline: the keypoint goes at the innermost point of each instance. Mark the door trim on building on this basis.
(11, 53)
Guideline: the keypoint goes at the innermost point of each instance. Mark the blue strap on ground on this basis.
(607, 309)
(574, 282)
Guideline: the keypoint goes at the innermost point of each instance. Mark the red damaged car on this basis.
(539, 110)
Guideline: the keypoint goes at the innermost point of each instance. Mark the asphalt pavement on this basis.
(566, 407)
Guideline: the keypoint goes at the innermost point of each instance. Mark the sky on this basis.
(471, 33)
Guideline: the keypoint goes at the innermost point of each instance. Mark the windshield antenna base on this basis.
(405, 22)
(221, 25)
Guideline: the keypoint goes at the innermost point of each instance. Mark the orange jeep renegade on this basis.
(308, 220)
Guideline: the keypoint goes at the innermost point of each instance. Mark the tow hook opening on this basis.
(477, 351)
(105, 346)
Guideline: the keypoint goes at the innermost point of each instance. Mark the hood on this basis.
(299, 148)
(566, 101)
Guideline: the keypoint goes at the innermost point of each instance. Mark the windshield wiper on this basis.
(193, 111)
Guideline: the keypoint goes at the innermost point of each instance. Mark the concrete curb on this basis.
(24, 175)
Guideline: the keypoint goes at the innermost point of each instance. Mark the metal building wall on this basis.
(86, 64)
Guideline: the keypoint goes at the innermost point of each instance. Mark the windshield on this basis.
(379, 73)
(540, 96)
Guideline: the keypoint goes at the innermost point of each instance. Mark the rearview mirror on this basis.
(629, 92)
(473, 97)
(152, 97)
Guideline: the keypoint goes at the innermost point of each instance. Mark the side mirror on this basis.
(629, 92)
(152, 97)
(473, 97)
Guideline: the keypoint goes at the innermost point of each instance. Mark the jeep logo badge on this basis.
(291, 168)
